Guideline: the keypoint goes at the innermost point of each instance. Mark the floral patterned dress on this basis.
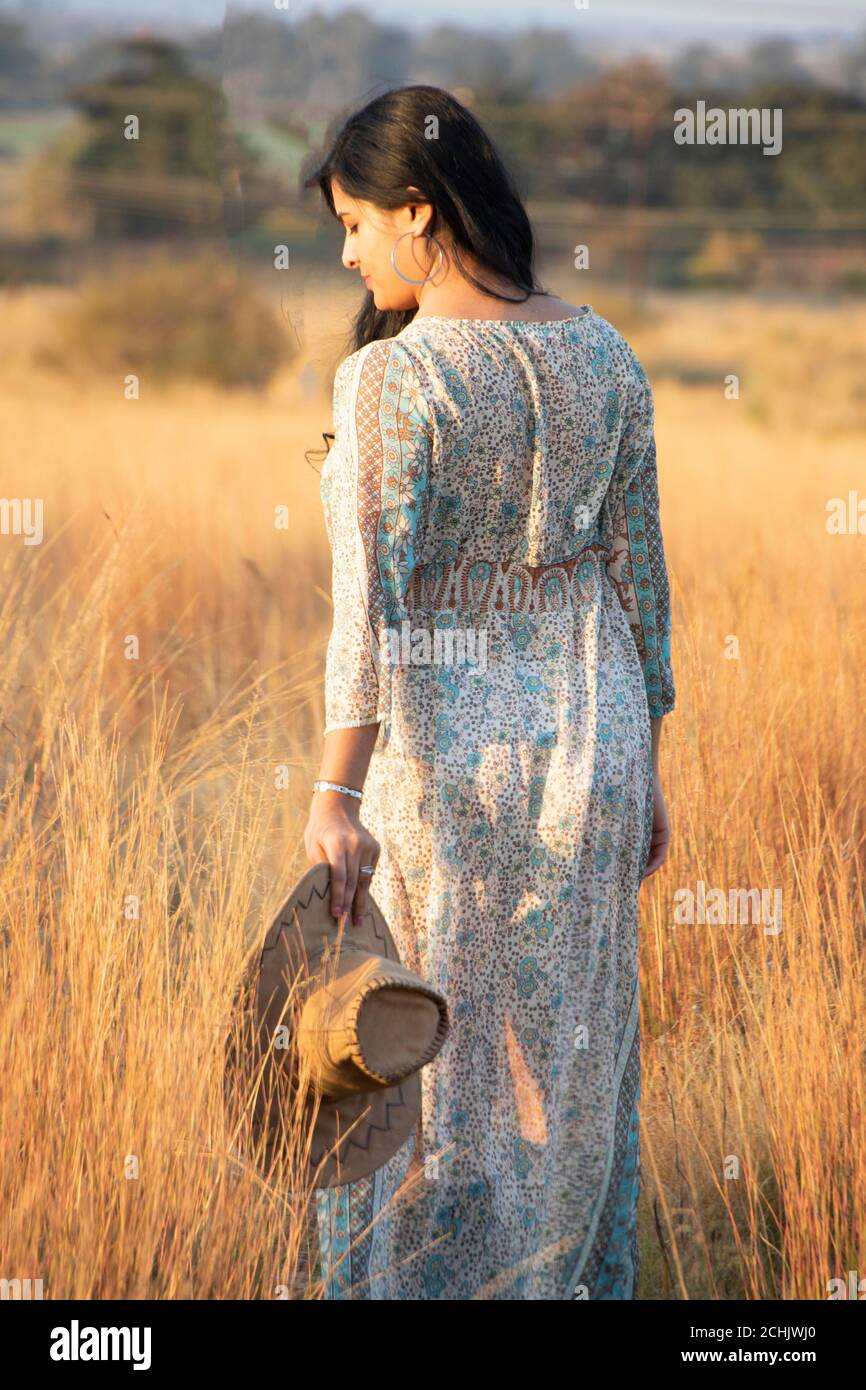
(501, 608)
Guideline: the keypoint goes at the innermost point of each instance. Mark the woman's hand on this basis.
(661, 831)
(334, 832)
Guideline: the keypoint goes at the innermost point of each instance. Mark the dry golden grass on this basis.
(155, 778)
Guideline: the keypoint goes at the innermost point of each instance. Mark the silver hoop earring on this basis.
(432, 238)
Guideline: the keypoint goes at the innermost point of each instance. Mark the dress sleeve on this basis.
(636, 562)
(374, 487)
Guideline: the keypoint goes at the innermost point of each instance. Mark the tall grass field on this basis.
(160, 725)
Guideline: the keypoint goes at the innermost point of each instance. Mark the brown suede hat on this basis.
(340, 1021)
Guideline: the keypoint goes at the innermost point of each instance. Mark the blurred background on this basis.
(172, 310)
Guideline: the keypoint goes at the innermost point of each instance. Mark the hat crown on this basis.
(370, 1027)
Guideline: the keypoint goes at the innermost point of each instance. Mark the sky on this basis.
(684, 20)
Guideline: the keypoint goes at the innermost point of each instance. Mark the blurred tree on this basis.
(854, 68)
(20, 65)
(172, 177)
(820, 167)
(700, 65)
(548, 59)
(774, 60)
(610, 143)
(313, 65)
(450, 56)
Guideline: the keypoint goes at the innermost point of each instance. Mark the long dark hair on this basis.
(383, 149)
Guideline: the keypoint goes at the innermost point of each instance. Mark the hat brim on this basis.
(355, 1135)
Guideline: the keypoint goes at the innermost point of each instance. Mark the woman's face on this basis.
(370, 234)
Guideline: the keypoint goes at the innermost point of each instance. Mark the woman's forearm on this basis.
(346, 755)
(335, 830)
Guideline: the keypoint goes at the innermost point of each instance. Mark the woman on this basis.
(497, 673)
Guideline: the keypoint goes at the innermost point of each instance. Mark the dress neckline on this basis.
(501, 323)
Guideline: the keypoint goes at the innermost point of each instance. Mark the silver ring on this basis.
(367, 868)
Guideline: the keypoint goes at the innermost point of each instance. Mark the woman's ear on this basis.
(421, 211)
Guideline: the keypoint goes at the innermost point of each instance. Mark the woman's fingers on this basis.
(653, 863)
(337, 861)
(369, 856)
(347, 854)
(353, 859)
(345, 863)
(658, 852)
